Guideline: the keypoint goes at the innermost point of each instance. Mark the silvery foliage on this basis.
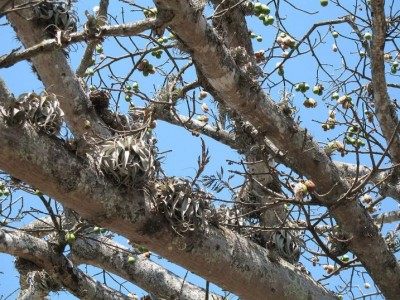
(128, 159)
(285, 242)
(230, 216)
(42, 111)
(186, 207)
(56, 14)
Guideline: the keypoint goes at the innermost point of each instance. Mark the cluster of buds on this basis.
(370, 116)
(310, 103)
(394, 67)
(335, 146)
(367, 199)
(255, 36)
(202, 118)
(146, 67)
(302, 87)
(157, 53)
(302, 189)
(129, 89)
(203, 95)
(331, 122)
(318, 89)
(345, 101)
(262, 12)
(150, 12)
(354, 130)
(285, 41)
(259, 55)
(329, 268)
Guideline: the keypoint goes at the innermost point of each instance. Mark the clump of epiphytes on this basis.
(146, 67)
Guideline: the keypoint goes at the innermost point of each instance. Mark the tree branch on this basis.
(238, 91)
(220, 256)
(385, 110)
(59, 78)
(104, 253)
(60, 268)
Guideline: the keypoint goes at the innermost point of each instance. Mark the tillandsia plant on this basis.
(41, 110)
(186, 208)
(128, 159)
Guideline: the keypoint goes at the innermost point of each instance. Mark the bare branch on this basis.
(60, 268)
(242, 94)
(104, 253)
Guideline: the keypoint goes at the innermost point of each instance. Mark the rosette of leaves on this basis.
(186, 208)
(55, 15)
(285, 243)
(129, 160)
(42, 111)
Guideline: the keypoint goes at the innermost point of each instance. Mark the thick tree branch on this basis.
(35, 283)
(242, 94)
(60, 268)
(220, 256)
(385, 110)
(57, 76)
(104, 253)
(382, 179)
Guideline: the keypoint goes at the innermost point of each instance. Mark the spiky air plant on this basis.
(286, 244)
(128, 159)
(42, 111)
(55, 15)
(186, 208)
